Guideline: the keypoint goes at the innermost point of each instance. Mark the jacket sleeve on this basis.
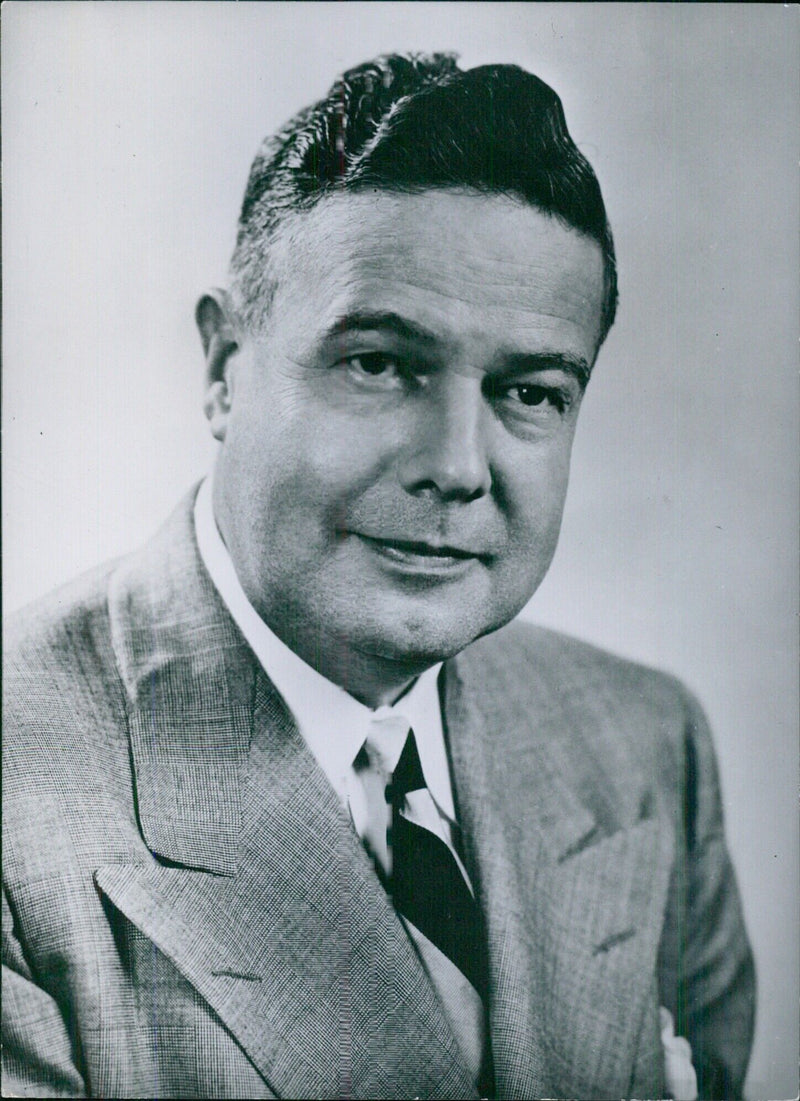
(38, 1052)
(707, 973)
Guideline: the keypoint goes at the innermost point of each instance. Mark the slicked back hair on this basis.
(414, 123)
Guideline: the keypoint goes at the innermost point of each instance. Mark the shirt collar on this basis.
(333, 723)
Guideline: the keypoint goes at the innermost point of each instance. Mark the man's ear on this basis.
(218, 331)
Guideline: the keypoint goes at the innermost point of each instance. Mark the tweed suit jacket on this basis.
(188, 912)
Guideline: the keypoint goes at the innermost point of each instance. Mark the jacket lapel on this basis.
(573, 910)
(260, 893)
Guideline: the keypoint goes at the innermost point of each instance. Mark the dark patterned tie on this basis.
(426, 882)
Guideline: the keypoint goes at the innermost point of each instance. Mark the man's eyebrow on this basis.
(384, 321)
(531, 362)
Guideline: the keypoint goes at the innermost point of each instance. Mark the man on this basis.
(287, 814)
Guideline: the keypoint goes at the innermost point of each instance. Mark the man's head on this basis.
(423, 276)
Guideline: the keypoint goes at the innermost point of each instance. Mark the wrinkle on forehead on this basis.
(481, 262)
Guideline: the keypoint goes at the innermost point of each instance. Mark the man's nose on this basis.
(447, 448)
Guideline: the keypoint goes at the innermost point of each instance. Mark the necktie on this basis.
(427, 885)
(403, 832)
(426, 880)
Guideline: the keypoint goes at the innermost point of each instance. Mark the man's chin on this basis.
(421, 643)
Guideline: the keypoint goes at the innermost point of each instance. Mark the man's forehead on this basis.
(453, 259)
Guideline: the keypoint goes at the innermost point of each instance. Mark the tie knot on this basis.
(385, 740)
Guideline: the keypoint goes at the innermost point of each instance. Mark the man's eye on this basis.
(372, 365)
(531, 395)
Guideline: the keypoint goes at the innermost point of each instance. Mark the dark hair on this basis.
(412, 123)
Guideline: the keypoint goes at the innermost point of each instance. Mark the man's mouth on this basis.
(420, 553)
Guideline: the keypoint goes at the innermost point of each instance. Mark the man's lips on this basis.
(422, 549)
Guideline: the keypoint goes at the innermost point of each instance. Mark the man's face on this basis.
(397, 447)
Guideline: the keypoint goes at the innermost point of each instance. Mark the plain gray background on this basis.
(128, 133)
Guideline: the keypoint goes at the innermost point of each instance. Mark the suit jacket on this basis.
(188, 912)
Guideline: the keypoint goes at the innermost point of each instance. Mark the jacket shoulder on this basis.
(52, 631)
(620, 729)
(569, 667)
(59, 671)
